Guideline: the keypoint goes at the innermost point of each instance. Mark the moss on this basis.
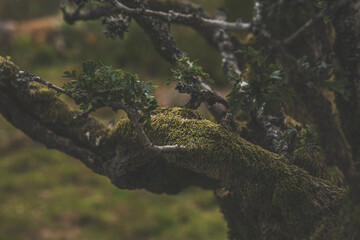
(121, 133)
(8, 70)
(43, 104)
(213, 151)
(220, 154)
(313, 162)
(344, 226)
(60, 118)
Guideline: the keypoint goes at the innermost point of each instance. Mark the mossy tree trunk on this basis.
(262, 194)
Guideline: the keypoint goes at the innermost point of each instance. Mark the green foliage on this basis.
(107, 87)
(306, 138)
(320, 4)
(262, 85)
(188, 72)
(323, 5)
(321, 74)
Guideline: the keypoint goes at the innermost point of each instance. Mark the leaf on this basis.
(327, 19)
(252, 52)
(320, 4)
(89, 68)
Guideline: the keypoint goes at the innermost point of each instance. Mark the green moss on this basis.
(220, 154)
(43, 104)
(313, 162)
(8, 70)
(213, 151)
(61, 119)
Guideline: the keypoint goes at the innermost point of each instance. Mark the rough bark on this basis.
(262, 195)
(286, 199)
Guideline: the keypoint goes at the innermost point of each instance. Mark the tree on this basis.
(290, 172)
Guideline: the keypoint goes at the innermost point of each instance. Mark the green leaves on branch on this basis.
(104, 86)
(262, 84)
(306, 139)
(321, 74)
(322, 5)
(189, 72)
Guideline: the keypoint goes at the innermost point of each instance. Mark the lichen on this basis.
(212, 150)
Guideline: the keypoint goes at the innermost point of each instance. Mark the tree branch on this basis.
(171, 16)
(215, 156)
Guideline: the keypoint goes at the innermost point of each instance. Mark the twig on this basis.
(145, 141)
(70, 17)
(304, 27)
(32, 78)
(170, 16)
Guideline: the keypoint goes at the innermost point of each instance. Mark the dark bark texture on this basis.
(263, 192)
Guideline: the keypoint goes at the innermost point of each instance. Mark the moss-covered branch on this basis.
(290, 196)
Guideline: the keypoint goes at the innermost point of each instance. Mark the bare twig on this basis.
(304, 27)
(32, 78)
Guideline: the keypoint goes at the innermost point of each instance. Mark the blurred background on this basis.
(45, 194)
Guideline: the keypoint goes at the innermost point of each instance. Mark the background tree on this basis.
(280, 162)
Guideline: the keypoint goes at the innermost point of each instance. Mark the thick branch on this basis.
(215, 155)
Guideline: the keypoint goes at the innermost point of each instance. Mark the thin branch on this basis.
(32, 78)
(326, 11)
(226, 49)
(160, 36)
(145, 141)
(198, 96)
(176, 17)
(170, 16)
(70, 17)
(304, 27)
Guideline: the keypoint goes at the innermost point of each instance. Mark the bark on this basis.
(260, 192)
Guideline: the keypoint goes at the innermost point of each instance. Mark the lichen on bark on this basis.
(268, 184)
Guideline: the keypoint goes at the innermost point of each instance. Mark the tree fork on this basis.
(216, 157)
